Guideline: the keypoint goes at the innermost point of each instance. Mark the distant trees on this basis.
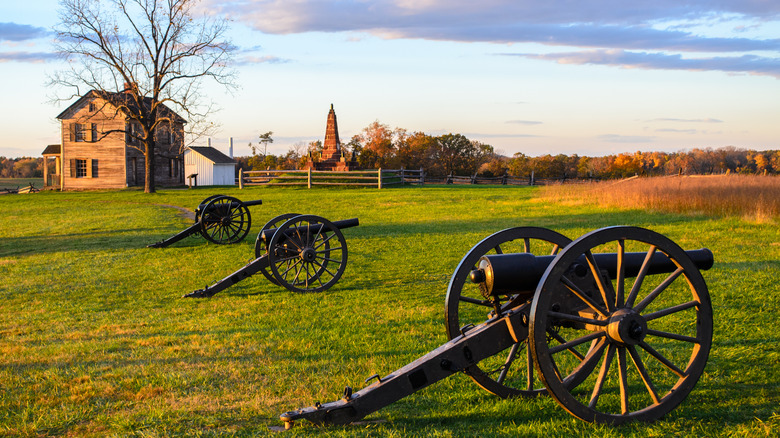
(694, 162)
(24, 167)
(379, 146)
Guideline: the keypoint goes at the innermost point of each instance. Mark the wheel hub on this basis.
(626, 327)
(308, 255)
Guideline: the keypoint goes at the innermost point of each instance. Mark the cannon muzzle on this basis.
(518, 273)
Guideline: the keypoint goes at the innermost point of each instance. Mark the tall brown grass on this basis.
(751, 197)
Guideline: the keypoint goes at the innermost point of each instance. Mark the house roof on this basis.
(52, 149)
(119, 100)
(212, 154)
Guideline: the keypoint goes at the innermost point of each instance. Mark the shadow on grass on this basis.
(136, 238)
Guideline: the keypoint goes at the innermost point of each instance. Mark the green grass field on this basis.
(96, 341)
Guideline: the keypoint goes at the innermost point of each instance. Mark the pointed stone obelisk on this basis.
(332, 155)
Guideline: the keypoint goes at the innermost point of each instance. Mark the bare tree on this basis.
(156, 52)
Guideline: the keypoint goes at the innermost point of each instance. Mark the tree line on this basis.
(453, 154)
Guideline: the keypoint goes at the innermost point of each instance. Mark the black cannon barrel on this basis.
(234, 204)
(521, 272)
(266, 235)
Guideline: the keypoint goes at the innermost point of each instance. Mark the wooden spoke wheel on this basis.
(652, 331)
(512, 373)
(202, 206)
(225, 220)
(260, 245)
(307, 254)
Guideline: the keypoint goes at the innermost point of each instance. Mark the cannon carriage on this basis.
(303, 253)
(219, 219)
(616, 326)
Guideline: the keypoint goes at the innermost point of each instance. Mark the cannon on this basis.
(303, 253)
(220, 219)
(616, 326)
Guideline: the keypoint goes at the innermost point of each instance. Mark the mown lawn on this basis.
(96, 341)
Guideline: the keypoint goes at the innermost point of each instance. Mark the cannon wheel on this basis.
(307, 254)
(503, 375)
(652, 334)
(199, 209)
(260, 247)
(225, 220)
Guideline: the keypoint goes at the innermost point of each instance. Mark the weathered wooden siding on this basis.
(107, 155)
(111, 162)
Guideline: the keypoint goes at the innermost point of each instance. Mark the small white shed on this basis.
(212, 166)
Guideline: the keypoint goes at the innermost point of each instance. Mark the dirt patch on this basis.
(184, 212)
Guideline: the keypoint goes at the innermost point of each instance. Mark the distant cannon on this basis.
(303, 253)
(563, 319)
(220, 219)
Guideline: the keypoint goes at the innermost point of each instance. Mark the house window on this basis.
(76, 132)
(92, 107)
(94, 132)
(81, 168)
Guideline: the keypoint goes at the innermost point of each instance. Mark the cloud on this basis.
(678, 131)
(32, 57)
(624, 34)
(614, 138)
(21, 32)
(709, 120)
(249, 59)
(750, 64)
(523, 122)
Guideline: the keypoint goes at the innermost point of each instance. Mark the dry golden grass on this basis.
(751, 197)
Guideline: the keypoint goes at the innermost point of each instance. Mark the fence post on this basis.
(531, 179)
(309, 179)
(240, 178)
(379, 178)
(422, 176)
(402, 176)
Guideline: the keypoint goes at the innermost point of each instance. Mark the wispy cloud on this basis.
(32, 57)
(708, 120)
(678, 131)
(615, 138)
(249, 59)
(749, 64)
(21, 32)
(523, 122)
(647, 35)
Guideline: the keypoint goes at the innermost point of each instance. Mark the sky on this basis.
(554, 77)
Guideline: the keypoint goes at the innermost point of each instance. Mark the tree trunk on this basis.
(149, 157)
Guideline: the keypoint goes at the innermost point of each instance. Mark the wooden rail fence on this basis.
(378, 178)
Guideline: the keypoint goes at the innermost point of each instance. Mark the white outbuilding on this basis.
(212, 167)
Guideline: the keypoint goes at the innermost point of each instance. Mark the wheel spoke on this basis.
(643, 373)
(661, 287)
(582, 296)
(508, 363)
(666, 362)
(527, 245)
(620, 273)
(594, 397)
(594, 269)
(529, 363)
(571, 344)
(673, 336)
(671, 310)
(475, 301)
(623, 377)
(577, 318)
(640, 277)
